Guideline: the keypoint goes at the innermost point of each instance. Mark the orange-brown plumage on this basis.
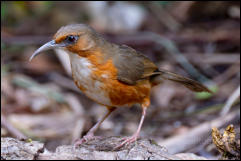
(119, 93)
(112, 75)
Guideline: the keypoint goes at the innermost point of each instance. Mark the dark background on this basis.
(40, 100)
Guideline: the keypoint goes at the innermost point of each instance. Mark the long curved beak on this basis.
(49, 45)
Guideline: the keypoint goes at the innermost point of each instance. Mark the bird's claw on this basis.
(126, 141)
(85, 138)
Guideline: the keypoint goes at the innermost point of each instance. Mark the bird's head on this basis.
(73, 38)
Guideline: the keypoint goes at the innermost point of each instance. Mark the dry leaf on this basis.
(226, 143)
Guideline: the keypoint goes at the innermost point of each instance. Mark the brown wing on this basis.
(132, 65)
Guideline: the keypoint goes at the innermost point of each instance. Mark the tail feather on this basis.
(189, 83)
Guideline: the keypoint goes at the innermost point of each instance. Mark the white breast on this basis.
(82, 69)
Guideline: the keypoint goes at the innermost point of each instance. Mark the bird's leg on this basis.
(90, 134)
(134, 137)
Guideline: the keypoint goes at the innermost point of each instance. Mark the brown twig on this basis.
(78, 114)
(232, 98)
(24, 40)
(164, 17)
(197, 135)
(234, 69)
(65, 82)
(11, 129)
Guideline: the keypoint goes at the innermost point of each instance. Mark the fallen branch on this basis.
(11, 129)
(197, 135)
(96, 149)
(233, 97)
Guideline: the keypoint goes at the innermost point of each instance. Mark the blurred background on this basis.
(199, 40)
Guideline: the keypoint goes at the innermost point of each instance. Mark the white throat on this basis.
(82, 74)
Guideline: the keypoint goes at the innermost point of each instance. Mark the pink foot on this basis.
(127, 141)
(86, 138)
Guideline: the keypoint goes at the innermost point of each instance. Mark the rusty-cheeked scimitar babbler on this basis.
(110, 74)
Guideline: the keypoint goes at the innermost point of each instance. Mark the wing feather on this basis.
(132, 66)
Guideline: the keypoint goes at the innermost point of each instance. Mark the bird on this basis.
(110, 74)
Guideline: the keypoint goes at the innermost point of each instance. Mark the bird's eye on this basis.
(71, 39)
